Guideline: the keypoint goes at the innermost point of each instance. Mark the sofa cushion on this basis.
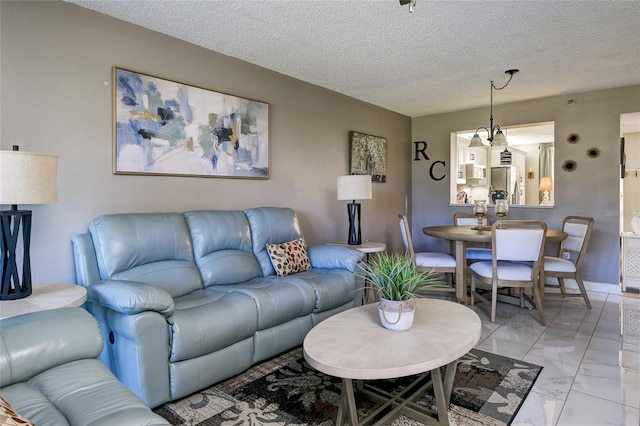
(333, 287)
(206, 321)
(222, 246)
(271, 225)
(153, 248)
(82, 392)
(278, 299)
(290, 257)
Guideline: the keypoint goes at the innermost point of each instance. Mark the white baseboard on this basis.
(612, 288)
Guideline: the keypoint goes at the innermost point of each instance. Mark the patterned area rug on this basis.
(488, 390)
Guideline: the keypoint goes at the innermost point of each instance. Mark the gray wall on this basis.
(56, 97)
(593, 189)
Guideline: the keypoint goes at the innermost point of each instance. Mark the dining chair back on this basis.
(473, 253)
(468, 219)
(438, 261)
(517, 253)
(570, 257)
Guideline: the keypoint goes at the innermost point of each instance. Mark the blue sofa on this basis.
(187, 300)
(50, 374)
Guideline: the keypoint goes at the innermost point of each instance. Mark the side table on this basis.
(44, 297)
(367, 247)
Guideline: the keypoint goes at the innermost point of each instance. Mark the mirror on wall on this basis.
(520, 172)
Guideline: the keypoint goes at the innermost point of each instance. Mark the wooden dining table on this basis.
(461, 235)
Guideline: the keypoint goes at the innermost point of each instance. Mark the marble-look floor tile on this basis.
(556, 377)
(570, 351)
(538, 410)
(610, 352)
(584, 410)
(518, 333)
(579, 313)
(584, 329)
(504, 347)
(590, 372)
(608, 329)
(615, 384)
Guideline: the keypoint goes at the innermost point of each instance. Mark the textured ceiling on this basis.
(439, 58)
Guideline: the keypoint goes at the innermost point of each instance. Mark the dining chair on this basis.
(441, 262)
(473, 254)
(517, 250)
(570, 257)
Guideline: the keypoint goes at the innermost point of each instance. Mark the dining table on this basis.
(461, 235)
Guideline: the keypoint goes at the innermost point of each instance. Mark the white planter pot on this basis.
(396, 316)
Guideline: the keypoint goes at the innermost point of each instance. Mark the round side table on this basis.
(44, 297)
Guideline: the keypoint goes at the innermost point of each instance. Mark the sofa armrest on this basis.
(34, 342)
(85, 261)
(130, 297)
(334, 257)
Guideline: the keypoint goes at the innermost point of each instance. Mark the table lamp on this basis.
(354, 187)
(545, 186)
(25, 178)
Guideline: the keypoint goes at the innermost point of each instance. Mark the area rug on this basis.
(488, 390)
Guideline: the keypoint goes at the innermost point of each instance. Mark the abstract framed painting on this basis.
(162, 127)
(369, 156)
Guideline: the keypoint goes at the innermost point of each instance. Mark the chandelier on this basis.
(494, 134)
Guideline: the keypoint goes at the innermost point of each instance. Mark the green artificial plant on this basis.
(396, 276)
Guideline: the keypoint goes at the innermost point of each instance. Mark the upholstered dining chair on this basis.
(441, 262)
(568, 262)
(517, 250)
(469, 219)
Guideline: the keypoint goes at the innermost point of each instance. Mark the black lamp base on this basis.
(355, 236)
(14, 286)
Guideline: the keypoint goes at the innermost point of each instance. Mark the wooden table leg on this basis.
(461, 283)
(348, 401)
(441, 397)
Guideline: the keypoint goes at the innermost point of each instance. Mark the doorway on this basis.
(629, 201)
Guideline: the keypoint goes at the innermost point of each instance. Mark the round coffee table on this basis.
(353, 345)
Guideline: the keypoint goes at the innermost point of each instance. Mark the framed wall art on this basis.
(369, 156)
(162, 127)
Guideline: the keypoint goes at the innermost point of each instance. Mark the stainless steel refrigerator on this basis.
(505, 178)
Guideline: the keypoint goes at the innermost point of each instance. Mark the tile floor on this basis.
(591, 358)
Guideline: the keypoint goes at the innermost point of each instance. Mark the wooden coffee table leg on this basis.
(449, 376)
(441, 397)
(348, 401)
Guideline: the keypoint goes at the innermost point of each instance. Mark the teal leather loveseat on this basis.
(50, 374)
(185, 300)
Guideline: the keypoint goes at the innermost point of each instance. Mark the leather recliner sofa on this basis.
(187, 300)
(50, 374)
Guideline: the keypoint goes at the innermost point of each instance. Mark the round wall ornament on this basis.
(573, 138)
(569, 165)
(593, 152)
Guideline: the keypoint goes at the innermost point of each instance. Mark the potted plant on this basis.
(396, 279)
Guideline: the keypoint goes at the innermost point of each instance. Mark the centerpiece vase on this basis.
(396, 315)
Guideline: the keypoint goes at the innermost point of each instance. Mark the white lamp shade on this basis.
(354, 187)
(545, 184)
(28, 177)
(499, 139)
(476, 142)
